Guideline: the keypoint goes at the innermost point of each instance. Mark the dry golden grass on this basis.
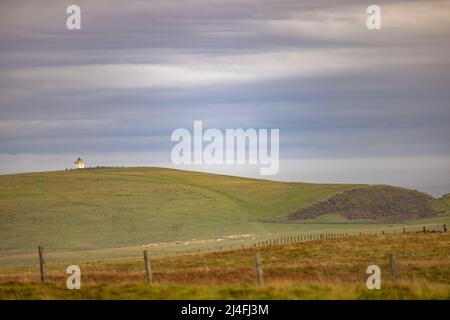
(326, 269)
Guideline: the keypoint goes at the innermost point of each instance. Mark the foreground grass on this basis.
(313, 291)
(327, 269)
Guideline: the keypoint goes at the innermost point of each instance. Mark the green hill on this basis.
(95, 209)
(118, 207)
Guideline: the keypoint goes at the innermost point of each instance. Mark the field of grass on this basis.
(111, 213)
(323, 269)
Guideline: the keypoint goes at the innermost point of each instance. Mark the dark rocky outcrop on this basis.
(381, 203)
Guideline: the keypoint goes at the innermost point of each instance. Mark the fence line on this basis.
(393, 265)
(42, 266)
(262, 243)
(314, 237)
(148, 268)
(258, 269)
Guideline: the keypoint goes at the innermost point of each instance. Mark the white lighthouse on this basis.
(79, 163)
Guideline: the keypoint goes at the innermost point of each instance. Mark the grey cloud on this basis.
(383, 95)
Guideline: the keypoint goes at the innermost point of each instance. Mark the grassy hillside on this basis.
(117, 207)
(442, 205)
(326, 269)
(113, 212)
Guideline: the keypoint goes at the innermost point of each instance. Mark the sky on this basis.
(352, 105)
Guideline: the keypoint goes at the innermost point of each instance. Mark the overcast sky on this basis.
(352, 105)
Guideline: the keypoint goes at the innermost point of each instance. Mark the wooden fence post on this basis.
(393, 264)
(445, 228)
(42, 264)
(148, 268)
(404, 231)
(259, 271)
(424, 230)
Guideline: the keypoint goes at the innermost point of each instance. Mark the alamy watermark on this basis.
(74, 279)
(373, 21)
(73, 22)
(235, 146)
(374, 280)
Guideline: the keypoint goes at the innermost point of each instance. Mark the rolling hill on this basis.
(94, 209)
